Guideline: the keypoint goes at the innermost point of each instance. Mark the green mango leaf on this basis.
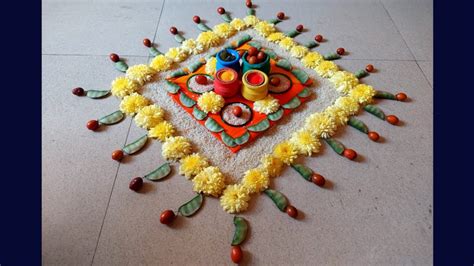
(292, 33)
(185, 100)
(96, 94)
(357, 124)
(292, 104)
(255, 44)
(242, 139)
(245, 38)
(304, 93)
(179, 38)
(278, 198)
(195, 66)
(300, 75)
(285, 64)
(226, 17)
(136, 145)
(240, 233)
(112, 118)
(276, 115)
(251, 12)
(274, 21)
(271, 53)
(375, 111)
(192, 206)
(213, 126)
(311, 44)
(228, 140)
(332, 56)
(198, 114)
(159, 173)
(361, 74)
(172, 87)
(335, 145)
(178, 73)
(385, 95)
(260, 126)
(121, 66)
(304, 171)
(203, 27)
(154, 51)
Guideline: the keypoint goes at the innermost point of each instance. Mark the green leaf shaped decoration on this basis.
(292, 104)
(292, 33)
(226, 17)
(332, 56)
(154, 51)
(260, 126)
(300, 75)
(198, 114)
(192, 206)
(112, 118)
(159, 173)
(375, 111)
(179, 38)
(185, 100)
(194, 66)
(203, 27)
(245, 38)
(96, 94)
(172, 87)
(251, 12)
(255, 44)
(304, 171)
(136, 145)
(285, 64)
(274, 21)
(178, 73)
(361, 74)
(242, 139)
(385, 95)
(240, 233)
(311, 44)
(213, 126)
(271, 53)
(278, 198)
(228, 140)
(121, 66)
(335, 145)
(276, 115)
(357, 124)
(304, 93)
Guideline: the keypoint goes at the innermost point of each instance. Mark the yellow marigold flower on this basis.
(208, 39)
(264, 28)
(362, 93)
(224, 30)
(299, 51)
(326, 69)
(321, 124)
(256, 180)
(285, 151)
(272, 165)
(190, 46)
(123, 86)
(344, 81)
(149, 116)
(162, 131)
(312, 59)
(266, 105)
(210, 102)
(340, 115)
(140, 73)
(251, 20)
(176, 54)
(209, 181)
(175, 148)
(211, 66)
(276, 36)
(132, 103)
(160, 63)
(192, 164)
(305, 142)
(348, 104)
(235, 199)
(287, 43)
(238, 24)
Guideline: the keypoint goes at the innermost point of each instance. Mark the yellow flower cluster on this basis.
(209, 181)
(322, 124)
(176, 54)
(208, 39)
(287, 43)
(272, 165)
(256, 180)
(210, 102)
(344, 81)
(362, 93)
(224, 30)
(192, 164)
(251, 20)
(267, 105)
(285, 151)
(340, 115)
(132, 103)
(175, 148)
(123, 86)
(264, 28)
(305, 142)
(299, 51)
(235, 199)
(161, 131)
(160, 63)
(211, 66)
(276, 36)
(238, 24)
(149, 116)
(312, 59)
(140, 73)
(190, 46)
(326, 69)
(348, 104)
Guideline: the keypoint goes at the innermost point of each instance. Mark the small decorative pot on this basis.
(234, 64)
(255, 85)
(263, 66)
(226, 82)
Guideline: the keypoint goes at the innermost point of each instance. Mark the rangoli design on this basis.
(237, 93)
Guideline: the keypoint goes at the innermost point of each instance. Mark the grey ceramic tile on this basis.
(414, 19)
(99, 28)
(77, 170)
(427, 67)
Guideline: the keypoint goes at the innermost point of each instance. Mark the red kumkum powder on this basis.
(255, 78)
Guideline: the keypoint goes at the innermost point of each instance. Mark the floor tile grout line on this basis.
(110, 197)
(159, 20)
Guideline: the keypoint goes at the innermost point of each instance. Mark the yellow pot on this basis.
(254, 85)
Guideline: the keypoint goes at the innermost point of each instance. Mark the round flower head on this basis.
(208, 39)
(285, 151)
(176, 54)
(192, 164)
(312, 59)
(161, 131)
(224, 30)
(174, 148)
(339, 115)
(348, 104)
(132, 103)
(149, 116)
(211, 66)
(209, 181)
(264, 28)
(321, 124)
(210, 102)
(251, 20)
(326, 69)
(190, 46)
(238, 24)
(123, 86)
(299, 51)
(344, 81)
(256, 180)
(276, 36)
(362, 93)
(267, 105)
(160, 63)
(272, 165)
(140, 73)
(305, 142)
(235, 199)
(287, 43)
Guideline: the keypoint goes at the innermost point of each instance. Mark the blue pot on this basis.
(234, 64)
(263, 66)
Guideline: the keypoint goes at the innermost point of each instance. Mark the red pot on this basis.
(226, 82)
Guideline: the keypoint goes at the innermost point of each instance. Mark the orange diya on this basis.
(226, 82)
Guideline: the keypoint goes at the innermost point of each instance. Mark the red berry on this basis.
(340, 51)
(167, 217)
(374, 136)
(318, 179)
(275, 81)
(401, 96)
(201, 79)
(93, 124)
(114, 57)
(147, 42)
(237, 111)
(252, 51)
(392, 119)
(236, 254)
(136, 184)
(299, 28)
(197, 19)
(369, 68)
(174, 30)
(280, 15)
(318, 38)
(349, 154)
(78, 91)
(221, 10)
(261, 56)
(117, 155)
(248, 3)
(252, 60)
(291, 211)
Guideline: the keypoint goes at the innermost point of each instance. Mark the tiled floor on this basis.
(379, 211)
